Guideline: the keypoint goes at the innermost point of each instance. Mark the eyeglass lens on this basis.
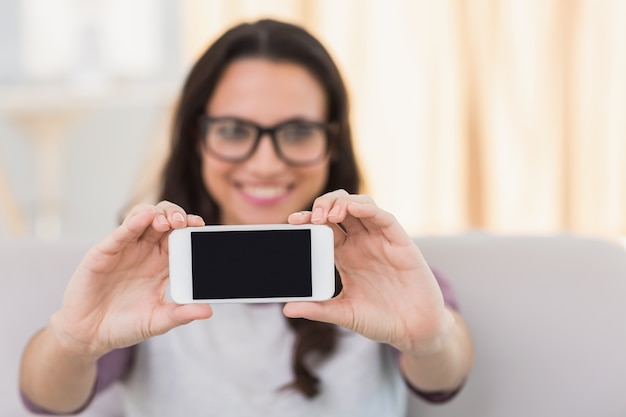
(298, 142)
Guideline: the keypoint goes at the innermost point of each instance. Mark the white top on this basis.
(235, 363)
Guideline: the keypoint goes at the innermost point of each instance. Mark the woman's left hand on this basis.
(389, 292)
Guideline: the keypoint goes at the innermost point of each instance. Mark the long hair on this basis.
(182, 179)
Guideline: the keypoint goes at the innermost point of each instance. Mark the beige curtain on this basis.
(503, 116)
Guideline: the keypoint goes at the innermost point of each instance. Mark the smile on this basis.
(265, 192)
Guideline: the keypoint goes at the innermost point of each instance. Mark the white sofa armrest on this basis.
(548, 321)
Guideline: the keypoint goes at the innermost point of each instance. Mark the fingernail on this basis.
(334, 212)
(179, 217)
(162, 219)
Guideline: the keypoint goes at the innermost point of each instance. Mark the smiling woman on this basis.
(266, 94)
(268, 186)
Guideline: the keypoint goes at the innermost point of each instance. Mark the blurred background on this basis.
(504, 116)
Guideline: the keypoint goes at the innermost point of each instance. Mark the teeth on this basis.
(265, 192)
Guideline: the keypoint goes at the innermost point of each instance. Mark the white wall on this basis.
(84, 92)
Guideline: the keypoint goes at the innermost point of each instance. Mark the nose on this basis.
(265, 158)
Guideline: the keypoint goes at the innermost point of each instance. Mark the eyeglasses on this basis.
(297, 142)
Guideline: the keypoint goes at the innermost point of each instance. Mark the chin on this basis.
(264, 220)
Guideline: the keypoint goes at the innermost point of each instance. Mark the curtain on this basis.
(499, 115)
(505, 116)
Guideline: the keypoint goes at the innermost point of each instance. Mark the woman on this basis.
(260, 86)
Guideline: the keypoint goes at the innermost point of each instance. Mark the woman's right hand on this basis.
(117, 295)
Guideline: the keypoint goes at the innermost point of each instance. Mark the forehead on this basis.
(268, 92)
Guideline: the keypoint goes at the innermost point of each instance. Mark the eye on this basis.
(299, 132)
(232, 130)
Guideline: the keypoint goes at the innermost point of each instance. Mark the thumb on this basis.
(325, 311)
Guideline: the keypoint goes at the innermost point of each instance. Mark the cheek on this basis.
(317, 179)
(214, 173)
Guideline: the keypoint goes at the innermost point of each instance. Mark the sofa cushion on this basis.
(547, 314)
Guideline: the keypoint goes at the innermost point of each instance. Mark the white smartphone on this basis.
(251, 264)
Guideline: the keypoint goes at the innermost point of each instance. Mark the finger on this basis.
(332, 206)
(328, 207)
(162, 224)
(374, 219)
(323, 205)
(186, 313)
(175, 215)
(299, 217)
(306, 310)
(131, 229)
(169, 216)
(337, 211)
(304, 217)
(173, 315)
(333, 311)
(331, 209)
(194, 220)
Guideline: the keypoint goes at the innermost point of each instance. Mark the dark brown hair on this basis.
(182, 179)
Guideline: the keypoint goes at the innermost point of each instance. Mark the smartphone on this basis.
(251, 264)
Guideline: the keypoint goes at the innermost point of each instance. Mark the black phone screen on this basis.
(251, 264)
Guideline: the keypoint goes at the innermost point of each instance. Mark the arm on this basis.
(444, 370)
(112, 367)
(409, 369)
(389, 293)
(49, 368)
(115, 299)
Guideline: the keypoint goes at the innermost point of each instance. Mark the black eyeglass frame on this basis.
(330, 129)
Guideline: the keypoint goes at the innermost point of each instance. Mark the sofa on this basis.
(33, 275)
(547, 314)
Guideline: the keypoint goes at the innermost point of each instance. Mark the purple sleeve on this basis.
(111, 367)
(450, 300)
